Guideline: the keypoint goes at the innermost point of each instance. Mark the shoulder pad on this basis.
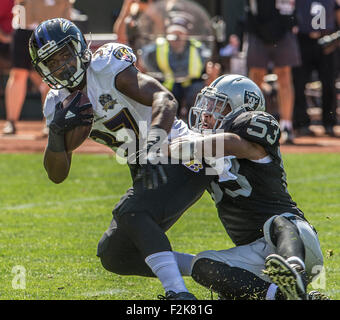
(257, 126)
(112, 57)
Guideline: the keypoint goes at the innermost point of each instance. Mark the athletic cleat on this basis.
(291, 279)
(170, 295)
(317, 295)
(9, 128)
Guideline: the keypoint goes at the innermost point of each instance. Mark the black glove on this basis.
(150, 169)
(70, 117)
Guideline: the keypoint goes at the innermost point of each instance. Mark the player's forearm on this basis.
(215, 146)
(220, 145)
(164, 109)
(226, 144)
(57, 165)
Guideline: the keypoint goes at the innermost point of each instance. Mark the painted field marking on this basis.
(54, 203)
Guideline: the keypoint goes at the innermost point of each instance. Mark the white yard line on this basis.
(55, 203)
(315, 178)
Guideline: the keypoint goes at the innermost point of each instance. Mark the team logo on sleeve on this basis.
(194, 166)
(252, 99)
(122, 53)
(107, 102)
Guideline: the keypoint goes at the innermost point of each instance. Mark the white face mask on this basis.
(211, 105)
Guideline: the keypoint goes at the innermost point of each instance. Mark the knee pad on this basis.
(107, 256)
(108, 265)
(273, 225)
(285, 236)
(281, 225)
(125, 266)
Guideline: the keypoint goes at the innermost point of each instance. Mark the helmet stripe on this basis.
(47, 36)
(37, 38)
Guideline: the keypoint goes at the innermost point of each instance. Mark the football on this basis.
(75, 137)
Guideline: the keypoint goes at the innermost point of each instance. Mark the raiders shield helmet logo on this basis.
(252, 99)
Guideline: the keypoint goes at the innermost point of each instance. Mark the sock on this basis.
(271, 292)
(164, 266)
(184, 261)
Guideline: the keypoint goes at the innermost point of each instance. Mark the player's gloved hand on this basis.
(150, 169)
(66, 119)
(70, 117)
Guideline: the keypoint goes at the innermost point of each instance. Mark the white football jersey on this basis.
(116, 116)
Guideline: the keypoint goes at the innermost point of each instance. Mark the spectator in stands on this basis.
(181, 61)
(27, 15)
(5, 29)
(273, 45)
(182, 68)
(315, 20)
(127, 20)
(5, 41)
(126, 25)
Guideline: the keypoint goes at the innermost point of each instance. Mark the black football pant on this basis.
(118, 253)
(142, 217)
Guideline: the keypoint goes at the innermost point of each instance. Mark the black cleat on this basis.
(291, 279)
(170, 295)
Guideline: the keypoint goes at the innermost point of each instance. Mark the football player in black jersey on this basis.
(277, 251)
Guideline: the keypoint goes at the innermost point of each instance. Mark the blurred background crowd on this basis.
(290, 48)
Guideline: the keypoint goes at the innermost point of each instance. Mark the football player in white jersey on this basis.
(122, 98)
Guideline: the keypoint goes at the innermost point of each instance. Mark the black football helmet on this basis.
(50, 37)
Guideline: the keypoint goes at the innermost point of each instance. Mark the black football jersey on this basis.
(260, 190)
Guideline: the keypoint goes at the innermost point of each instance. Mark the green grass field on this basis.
(49, 233)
